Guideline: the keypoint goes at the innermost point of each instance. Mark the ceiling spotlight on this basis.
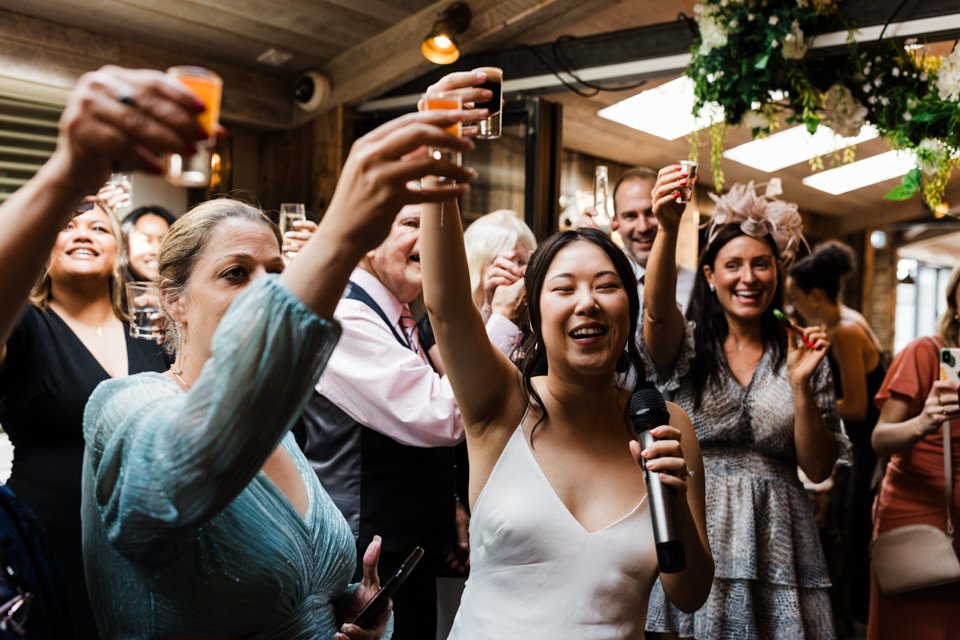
(440, 45)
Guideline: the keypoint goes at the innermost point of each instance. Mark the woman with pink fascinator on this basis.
(762, 403)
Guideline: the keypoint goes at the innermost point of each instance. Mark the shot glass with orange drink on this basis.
(445, 101)
(194, 170)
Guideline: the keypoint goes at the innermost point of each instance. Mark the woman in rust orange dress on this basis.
(913, 406)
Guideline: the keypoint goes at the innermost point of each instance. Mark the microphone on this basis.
(648, 410)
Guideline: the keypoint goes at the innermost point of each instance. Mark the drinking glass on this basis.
(291, 212)
(446, 101)
(489, 127)
(194, 170)
(687, 192)
(143, 306)
(120, 183)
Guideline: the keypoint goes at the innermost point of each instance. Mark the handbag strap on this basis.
(948, 475)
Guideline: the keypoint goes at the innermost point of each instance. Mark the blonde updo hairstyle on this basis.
(488, 237)
(185, 243)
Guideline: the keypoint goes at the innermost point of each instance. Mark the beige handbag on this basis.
(918, 556)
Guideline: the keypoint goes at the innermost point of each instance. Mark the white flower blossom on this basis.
(842, 112)
(895, 72)
(734, 23)
(712, 33)
(930, 155)
(751, 17)
(754, 120)
(774, 20)
(794, 44)
(878, 81)
(923, 76)
(884, 100)
(907, 116)
(867, 88)
(872, 100)
(948, 79)
(774, 44)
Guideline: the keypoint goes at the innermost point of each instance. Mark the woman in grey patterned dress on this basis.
(761, 404)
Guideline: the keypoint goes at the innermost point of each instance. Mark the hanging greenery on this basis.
(750, 60)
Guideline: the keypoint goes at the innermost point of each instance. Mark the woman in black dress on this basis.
(71, 335)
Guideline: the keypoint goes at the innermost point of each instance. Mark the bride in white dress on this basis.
(561, 543)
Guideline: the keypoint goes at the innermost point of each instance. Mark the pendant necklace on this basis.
(176, 371)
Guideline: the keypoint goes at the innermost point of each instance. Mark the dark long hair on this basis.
(712, 327)
(532, 360)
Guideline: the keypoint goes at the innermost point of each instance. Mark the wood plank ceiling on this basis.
(367, 46)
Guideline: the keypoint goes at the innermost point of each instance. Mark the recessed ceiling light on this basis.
(274, 57)
(664, 112)
(862, 173)
(792, 146)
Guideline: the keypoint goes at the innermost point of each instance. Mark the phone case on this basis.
(950, 364)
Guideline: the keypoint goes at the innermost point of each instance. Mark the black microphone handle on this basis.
(663, 512)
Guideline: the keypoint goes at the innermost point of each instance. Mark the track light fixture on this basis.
(440, 45)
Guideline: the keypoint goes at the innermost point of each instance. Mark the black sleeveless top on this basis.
(45, 381)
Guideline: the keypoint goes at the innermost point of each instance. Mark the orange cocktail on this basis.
(195, 170)
(445, 101)
(208, 88)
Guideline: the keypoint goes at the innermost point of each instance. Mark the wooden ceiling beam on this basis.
(393, 56)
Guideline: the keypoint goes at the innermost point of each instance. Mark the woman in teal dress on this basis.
(201, 517)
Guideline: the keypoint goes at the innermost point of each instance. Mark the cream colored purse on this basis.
(918, 556)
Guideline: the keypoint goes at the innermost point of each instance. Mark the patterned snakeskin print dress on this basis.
(771, 579)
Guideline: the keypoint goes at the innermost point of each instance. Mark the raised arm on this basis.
(816, 445)
(483, 379)
(98, 134)
(374, 185)
(663, 326)
(185, 457)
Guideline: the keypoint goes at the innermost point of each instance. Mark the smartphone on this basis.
(376, 605)
(950, 364)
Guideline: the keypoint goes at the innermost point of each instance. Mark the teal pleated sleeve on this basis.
(182, 532)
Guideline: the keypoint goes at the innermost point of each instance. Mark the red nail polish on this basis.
(198, 105)
(676, 194)
(684, 174)
(683, 183)
(201, 133)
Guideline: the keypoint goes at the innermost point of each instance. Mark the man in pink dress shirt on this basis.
(381, 428)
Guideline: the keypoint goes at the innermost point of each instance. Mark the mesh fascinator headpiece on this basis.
(760, 216)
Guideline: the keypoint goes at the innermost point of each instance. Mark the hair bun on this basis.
(838, 255)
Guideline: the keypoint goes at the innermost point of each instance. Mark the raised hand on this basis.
(124, 119)
(942, 404)
(466, 84)
(665, 191)
(804, 357)
(294, 239)
(384, 171)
